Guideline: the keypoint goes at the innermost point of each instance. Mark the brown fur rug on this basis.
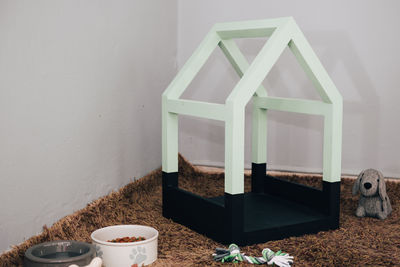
(358, 242)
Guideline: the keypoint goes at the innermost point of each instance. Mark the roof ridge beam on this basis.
(250, 28)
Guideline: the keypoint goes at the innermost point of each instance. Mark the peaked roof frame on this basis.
(282, 32)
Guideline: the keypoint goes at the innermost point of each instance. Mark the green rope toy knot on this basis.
(232, 254)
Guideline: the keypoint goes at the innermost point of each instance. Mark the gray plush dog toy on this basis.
(374, 202)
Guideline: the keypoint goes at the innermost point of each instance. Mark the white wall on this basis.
(80, 87)
(357, 42)
(80, 93)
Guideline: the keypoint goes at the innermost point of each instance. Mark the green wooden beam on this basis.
(197, 109)
(259, 134)
(169, 133)
(259, 116)
(293, 105)
(313, 67)
(192, 66)
(283, 32)
(238, 61)
(249, 29)
(234, 150)
(332, 149)
(261, 66)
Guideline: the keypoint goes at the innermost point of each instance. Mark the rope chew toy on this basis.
(232, 254)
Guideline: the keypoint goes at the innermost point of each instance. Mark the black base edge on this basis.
(294, 191)
(258, 171)
(234, 217)
(225, 222)
(326, 200)
(265, 235)
(197, 213)
(331, 194)
(169, 180)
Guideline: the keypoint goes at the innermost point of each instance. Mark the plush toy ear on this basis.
(382, 187)
(356, 185)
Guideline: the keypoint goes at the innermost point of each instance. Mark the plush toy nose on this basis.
(367, 185)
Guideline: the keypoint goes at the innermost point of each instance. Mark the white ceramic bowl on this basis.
(126, 254)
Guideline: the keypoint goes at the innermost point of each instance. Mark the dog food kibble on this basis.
(127, 239)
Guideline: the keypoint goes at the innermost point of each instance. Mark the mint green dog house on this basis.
(274, 208)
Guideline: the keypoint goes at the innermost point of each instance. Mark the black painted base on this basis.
(275, 209)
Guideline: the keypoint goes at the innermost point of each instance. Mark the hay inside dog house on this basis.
(274, 208)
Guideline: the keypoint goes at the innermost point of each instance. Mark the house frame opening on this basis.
(274, 208)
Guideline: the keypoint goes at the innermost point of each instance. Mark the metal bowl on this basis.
(59, 253)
